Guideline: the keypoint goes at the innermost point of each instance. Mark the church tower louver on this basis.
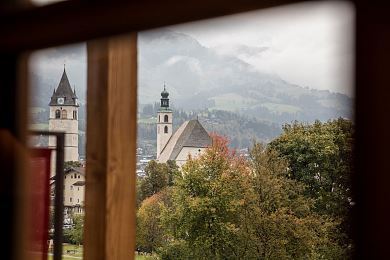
(164, 122)
(64, 117)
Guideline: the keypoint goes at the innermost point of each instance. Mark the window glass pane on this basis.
(58, 91)
(255, 159)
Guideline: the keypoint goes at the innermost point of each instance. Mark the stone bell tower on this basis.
(64, 117)
(164, 122)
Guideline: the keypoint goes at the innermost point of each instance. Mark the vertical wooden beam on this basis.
(13, 154)
(111, 146)
(372, 178)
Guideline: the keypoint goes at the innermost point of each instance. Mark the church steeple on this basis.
(164, 122)
(64, 117)
(164, 99)
(64, 95)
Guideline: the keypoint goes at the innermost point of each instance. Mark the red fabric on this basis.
(40, 201)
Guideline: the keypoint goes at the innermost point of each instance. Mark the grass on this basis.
(79, 253)
(281, 108)
(233, 102)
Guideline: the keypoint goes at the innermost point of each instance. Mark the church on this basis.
(63, 117)
(190, 139)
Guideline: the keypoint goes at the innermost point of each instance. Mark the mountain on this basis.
(203, 80)
(198, 77)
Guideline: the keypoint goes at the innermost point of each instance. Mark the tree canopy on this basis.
(320, 155)
(223, 206)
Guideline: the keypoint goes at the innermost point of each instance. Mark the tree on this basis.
(150, 233)
(173, 171)
(71, 164)
(321, 156)
(283, 223)
(75, 234)
(226, 208)
(157, 177)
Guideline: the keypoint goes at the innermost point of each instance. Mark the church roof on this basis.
(190, 134)
(64, 90)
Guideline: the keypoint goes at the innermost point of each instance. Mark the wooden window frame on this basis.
(24, 29)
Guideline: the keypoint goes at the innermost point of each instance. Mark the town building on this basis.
(74, 190)
(190, 139)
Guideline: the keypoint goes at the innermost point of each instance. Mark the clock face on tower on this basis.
(60, 101)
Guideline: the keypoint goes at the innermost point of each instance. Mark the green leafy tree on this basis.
(155, 180)
(158, 176)
(321, 156)
(226, 208)
(173, 171)
(150, 232)
(283, 223)
(71, 164)
(75, 234)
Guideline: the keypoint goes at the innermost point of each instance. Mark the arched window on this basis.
(74, 114)
(165, 129)
(159, 119)
(58, 113)
(166, 118)
(64, 115)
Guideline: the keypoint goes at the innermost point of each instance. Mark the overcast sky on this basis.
(309, 44)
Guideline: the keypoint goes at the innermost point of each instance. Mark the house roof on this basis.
(64, 90)
(190, 134)
(71, 170)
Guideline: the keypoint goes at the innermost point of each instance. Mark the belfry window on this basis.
(74, 114)
(58, 113)
(64, 115)
(165, 129)
(166, 118)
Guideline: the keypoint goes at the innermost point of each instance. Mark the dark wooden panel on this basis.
(75, 21)
(372, 181)
(13, 154)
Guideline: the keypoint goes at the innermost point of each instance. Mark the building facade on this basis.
(74, 190)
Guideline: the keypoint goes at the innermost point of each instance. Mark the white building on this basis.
(74, 190)
(191, 139)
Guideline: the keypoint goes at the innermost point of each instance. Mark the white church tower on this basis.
(64, 117)
(164, 122)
